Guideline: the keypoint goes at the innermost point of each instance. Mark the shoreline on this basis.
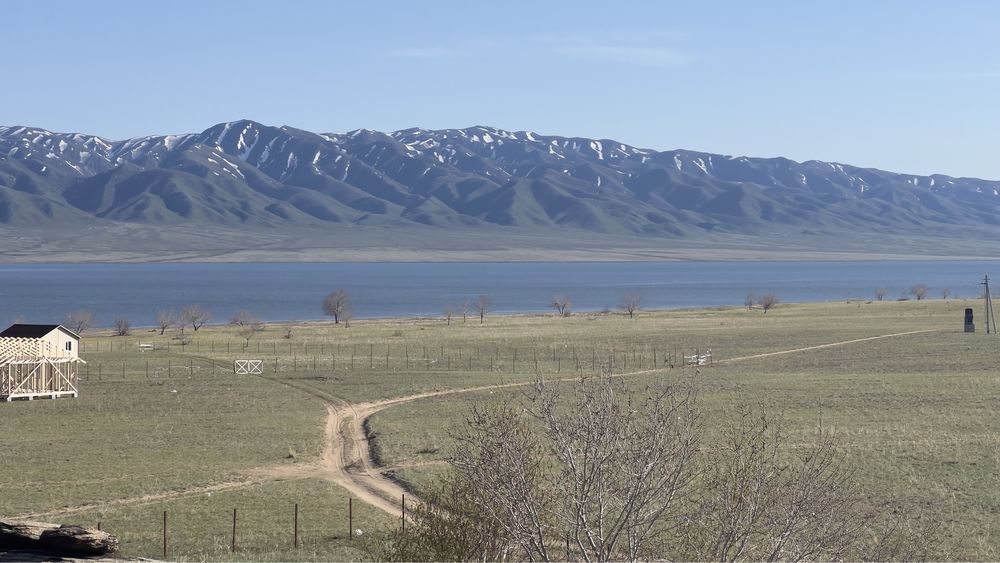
(456, 319)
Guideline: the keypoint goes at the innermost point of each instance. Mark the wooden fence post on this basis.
(350, 518)
(234, 531)
(295, 527)
(164, 534)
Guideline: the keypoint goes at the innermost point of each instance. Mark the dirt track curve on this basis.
(346, 459)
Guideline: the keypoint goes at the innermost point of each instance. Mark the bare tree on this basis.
(195, 316)
(449, 312)
(562, 304)
(164, 319)
(250, 328)
(945, 292)
(464, 307)
(603, 475)
(79, 321)
(122, 326)
(484, 304)
(241, 318)
(630, 303)
(768, 301)
(919, 291)
(880, 293)
(338, 305)
(749, 300)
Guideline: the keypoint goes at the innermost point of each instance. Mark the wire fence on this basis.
(403, 359)
(263, 531)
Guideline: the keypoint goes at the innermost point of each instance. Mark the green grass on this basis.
(200, 528)
(917, 413)
(123, 439)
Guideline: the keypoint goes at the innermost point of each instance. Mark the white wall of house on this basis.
(62, 344)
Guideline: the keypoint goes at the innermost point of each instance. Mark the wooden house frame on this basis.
(31, 367)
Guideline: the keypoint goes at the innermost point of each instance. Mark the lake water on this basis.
(45, 293)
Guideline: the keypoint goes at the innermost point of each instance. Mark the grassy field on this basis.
(174, 429)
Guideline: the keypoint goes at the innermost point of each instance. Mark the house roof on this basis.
(33, 331)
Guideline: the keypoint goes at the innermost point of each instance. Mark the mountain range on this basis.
(251, 179)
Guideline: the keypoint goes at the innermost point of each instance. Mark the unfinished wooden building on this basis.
(38, 361)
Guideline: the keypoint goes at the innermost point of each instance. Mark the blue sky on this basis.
(905, 86)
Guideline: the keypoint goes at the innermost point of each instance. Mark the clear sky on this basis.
(908, 86)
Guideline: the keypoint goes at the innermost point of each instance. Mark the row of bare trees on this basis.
(920, 291)
(597, 470)
(195, 315)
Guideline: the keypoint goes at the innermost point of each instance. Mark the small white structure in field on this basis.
(38, 361)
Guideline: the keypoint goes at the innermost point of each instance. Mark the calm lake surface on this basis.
(45, 293)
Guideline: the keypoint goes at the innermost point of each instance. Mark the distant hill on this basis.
(252, 178)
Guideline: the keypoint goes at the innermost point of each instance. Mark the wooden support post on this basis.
(233, 546)
(371, 356)
(350, 518)
(295, 527)
(402, 505)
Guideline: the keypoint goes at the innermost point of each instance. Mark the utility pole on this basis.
(989, 305)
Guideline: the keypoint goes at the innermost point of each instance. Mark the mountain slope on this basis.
(253, 177)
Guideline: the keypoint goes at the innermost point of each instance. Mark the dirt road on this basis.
(346, 459)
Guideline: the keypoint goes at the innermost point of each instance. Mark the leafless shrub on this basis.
(919, 291)
(880, 293)
(562, 304)
(122, 326)
(768, 301)
(603, 475)
(749, 300)
(945, 292)
(251, 327)
(195, 315)
(761, 501)
(165, 318)
(241, 318)
(79, 321)
(630, 303)
(600, 472)
(448, 312)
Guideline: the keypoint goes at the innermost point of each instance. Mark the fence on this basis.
(236, 540)
(400, 359)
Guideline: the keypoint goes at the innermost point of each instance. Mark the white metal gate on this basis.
(248, 367)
